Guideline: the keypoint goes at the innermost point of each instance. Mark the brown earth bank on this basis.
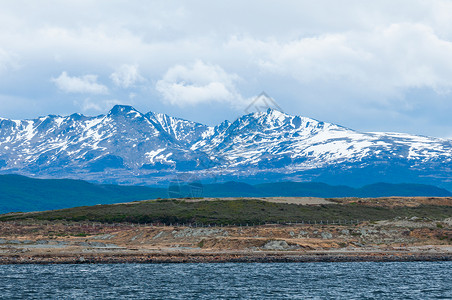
(399, 239)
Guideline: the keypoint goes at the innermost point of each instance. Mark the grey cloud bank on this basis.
(384, 66)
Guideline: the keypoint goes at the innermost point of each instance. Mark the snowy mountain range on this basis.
(127, 146)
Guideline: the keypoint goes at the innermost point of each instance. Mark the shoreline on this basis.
(65, 242)
(158, 258)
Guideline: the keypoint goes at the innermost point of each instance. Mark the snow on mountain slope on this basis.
(128, 146)
(183, 131)
(122, 139)
(274, 139)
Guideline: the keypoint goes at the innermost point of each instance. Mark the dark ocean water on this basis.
(363, 280)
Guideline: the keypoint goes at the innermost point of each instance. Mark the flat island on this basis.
(276, 229)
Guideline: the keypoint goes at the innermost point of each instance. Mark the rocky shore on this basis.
(223, 258)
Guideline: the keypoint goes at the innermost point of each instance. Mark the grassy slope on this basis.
(230, 212)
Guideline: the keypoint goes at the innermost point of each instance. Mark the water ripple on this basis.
(363, 280)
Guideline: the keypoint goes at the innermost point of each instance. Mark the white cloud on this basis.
(126, 76)
(86, 84)
(198, 83)
(384, 61)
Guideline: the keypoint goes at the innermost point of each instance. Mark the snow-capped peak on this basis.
(122, 110)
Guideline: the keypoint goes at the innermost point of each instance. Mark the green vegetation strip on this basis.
(232, 212)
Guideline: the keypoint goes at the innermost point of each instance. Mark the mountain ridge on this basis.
(128, 147)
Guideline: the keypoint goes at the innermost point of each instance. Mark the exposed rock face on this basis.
(326, 235)
(278, 245)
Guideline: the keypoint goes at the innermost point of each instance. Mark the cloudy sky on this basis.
(369, 65)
